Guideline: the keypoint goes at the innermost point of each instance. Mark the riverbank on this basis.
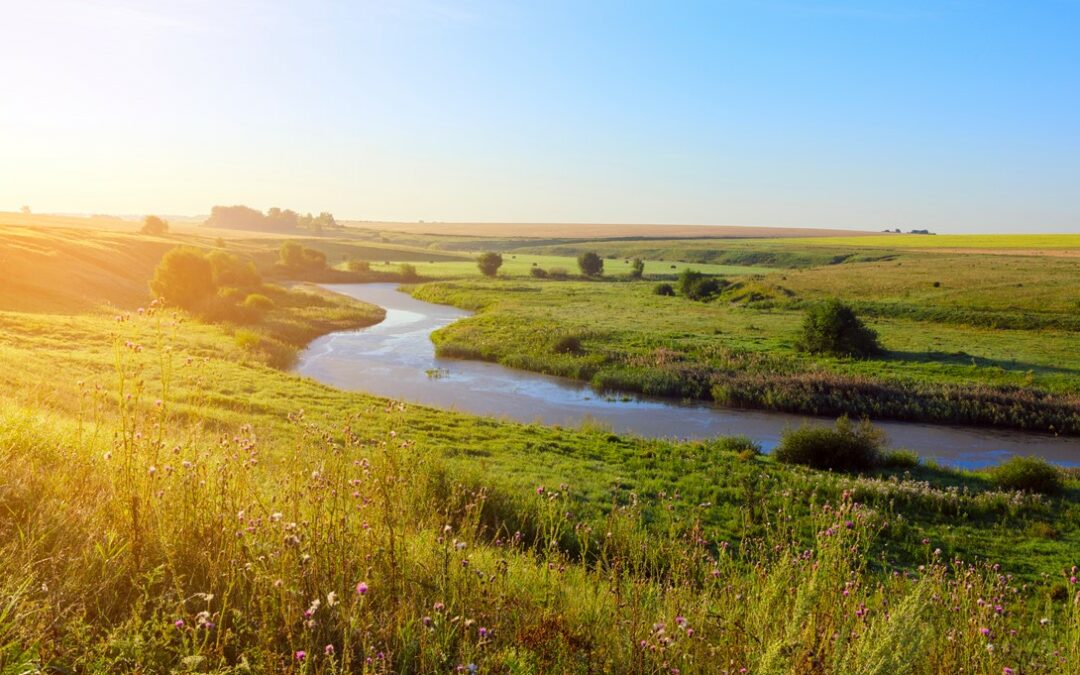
(742, 354)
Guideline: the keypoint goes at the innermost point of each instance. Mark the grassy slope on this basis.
(106, 594)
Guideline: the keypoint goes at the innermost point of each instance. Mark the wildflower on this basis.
(331, 599)
(179, 623)
(540, 490)
(1072, 579)
(680, 621)
(985, 632)
(426, 621)
(439, 607)
(328, 650)
(361, 588)
(483, 632)
(1007, 671)
(301, 655)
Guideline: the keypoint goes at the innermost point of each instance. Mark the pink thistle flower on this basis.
(361, 588)
(328, 650)
(179, 623)
(301, 655)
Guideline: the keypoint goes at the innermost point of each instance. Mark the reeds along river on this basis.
(396, 359)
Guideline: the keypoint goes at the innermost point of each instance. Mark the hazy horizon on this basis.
(950, 116)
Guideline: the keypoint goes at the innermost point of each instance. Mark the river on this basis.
(396, 359)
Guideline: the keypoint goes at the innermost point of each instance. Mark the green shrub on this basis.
(900, 459)
(558, 273)
(298, 257)
(184, 278)
(228, 270)
(359, 266)
(845, 447)
(538, 272)
(1027, 474)
(637, 269)
(698, 286)
(408, 272)
(832, 328)
(664, 289)
(568, 344)
(736, 444)
(248, 340)
(489, 263)
(259, 302)
(590, 264)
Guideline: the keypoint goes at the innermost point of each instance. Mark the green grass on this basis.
(1023, 242)
(740, 348)
(366, 488)
(520, 264)
(172, 503)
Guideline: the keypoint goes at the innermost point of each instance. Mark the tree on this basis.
(154, 225)
(25, 210)
(591, 264)
(637, 269)
(833, 328)
(228, 270)
(489, 263)
(291, 255)
(184, 278)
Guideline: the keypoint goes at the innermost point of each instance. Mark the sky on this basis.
(951, 115)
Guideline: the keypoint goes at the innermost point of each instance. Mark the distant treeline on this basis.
(275, 219)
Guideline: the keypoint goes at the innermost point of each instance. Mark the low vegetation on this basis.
(832, 328)
(173, 504)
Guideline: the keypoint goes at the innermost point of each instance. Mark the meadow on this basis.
(173, 502)
(973, 349)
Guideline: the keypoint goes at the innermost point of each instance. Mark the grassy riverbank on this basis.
(984, 340)
(172, 502)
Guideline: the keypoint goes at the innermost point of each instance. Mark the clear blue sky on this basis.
(952, 115)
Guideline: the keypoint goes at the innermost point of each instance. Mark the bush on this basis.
(900, 459)
(845, 447)
(1027, 474)
(568, 344)
(737, 444)
(833, 328)
(228, 270)
(698, 286)
(637, 269)
(297, 257)
(558, 273)
(154, 225)
(248, 340)
(184, 278)
(538, 272)
(359, 266)
(591, 264)
(258, 302)
(664, 289)
(489, 263)
(408, 272)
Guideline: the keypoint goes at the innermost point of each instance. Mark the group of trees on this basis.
(210, 283)
(275, 219)
(295, 256)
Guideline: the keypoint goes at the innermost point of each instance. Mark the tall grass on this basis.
(130, 541)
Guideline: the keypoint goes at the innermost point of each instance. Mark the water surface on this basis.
(396, 359)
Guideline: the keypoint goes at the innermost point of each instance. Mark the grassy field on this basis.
(1034, 244)
(941, 320)
(172, 503)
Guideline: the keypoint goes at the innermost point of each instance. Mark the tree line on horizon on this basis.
(275, 219)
